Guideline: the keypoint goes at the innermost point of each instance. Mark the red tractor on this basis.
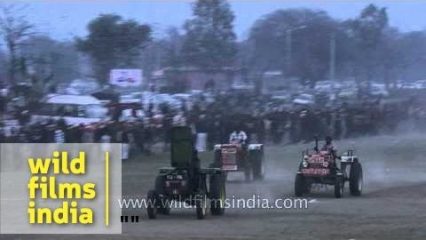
(240, 158)
(324, 167)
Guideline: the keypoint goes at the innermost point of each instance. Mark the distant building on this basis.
(191, 78)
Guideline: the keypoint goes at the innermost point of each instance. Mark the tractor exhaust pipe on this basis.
(316, 143)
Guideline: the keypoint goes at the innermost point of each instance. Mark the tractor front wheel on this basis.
(299, 185)
(201, 205)
(152, 204)
(338, 188)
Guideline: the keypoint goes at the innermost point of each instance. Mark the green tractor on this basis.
(185, 182)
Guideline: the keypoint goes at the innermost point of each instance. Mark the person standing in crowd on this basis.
(139, 135)
(106, 138)
(337, 125)
(127, 140)
(294, 127)
(167, 123)
(59, 135)
(220, 118)
(13, 137)
(88, 134)
(3, 100)
(179, 120)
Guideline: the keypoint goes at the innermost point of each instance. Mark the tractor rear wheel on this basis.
(356, 179)
(217, 194)
(258, 164)
(201, 205)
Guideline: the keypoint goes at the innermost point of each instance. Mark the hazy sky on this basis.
(64, 19)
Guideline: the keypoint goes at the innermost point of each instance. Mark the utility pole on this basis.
(289, 51)
(333, 57)
(289, 48)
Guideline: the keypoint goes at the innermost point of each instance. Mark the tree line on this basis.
(305, 44)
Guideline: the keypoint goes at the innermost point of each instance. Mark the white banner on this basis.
(126, 77)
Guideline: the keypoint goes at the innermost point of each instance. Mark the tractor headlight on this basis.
(179, 177)
(305, 163)
(169, 177)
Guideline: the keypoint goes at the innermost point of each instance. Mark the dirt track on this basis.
(392, 207)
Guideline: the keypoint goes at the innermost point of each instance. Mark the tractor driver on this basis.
(238, 136)
(329, 147)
